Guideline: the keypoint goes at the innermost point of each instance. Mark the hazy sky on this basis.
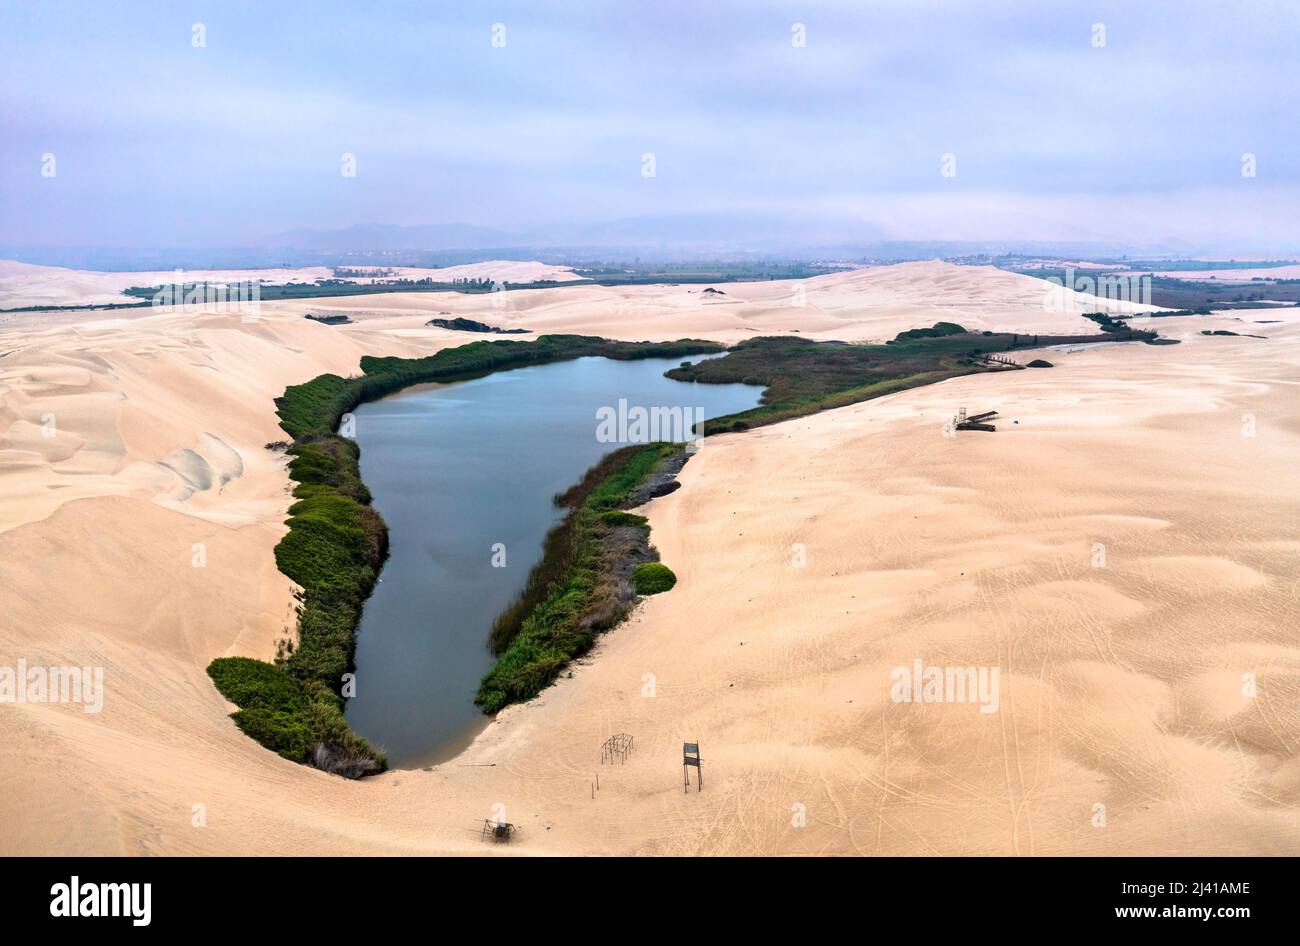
(157, 141)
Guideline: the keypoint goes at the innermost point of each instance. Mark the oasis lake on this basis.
(466, 474)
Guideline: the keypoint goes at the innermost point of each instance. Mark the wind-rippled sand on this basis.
(1123, 549)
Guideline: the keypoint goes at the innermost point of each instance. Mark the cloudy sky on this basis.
(1064, 120)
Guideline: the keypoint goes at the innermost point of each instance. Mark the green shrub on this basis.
(939, 330)
(272, 706)
(650, 578)
(571, 593)
(289, 734)
(254, 683)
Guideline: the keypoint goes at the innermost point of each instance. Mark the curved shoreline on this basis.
(337, 543)
(584, 583)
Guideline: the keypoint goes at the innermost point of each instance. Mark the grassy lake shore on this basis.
(584, 583)
(337, 543)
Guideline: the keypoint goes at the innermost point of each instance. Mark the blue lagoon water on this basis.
(455, 469)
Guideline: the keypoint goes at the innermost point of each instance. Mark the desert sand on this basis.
(127, 440)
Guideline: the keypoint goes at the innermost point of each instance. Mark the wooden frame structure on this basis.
(974, 421)
(691, 757)
(617, 746)
(499, 830)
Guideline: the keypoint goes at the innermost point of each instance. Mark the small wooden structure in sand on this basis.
(499, 831)
(691, 757)
(617, 746)
(974, 421)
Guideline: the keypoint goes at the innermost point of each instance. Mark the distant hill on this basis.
(381, 237)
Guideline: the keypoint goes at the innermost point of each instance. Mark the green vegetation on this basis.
(337, 543)
(1172, 293)
(334, 549)
(1199, 310)
(583, 585)
(1202, 265)
(696, 273)
(362, 272)
(470, 325)
(636, 274)
(1107, 322)
(76, 308)
(1039, 363)
(273, 707)
(803, 377)
(650, 578)
(939, 330)
(326, 288)
(1189, 296)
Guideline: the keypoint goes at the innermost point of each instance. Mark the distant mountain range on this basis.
(384, 237)
(735, 236)
(691, 234)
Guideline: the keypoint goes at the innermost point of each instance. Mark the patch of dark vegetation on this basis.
(584, 583)
(77, 308)
(334, 549)
(651, 578)
(1199, 310)
(327, 288)
(1172, 293)
(640, 274)
(803, 376)
(272, 706)
(636, 275)
(337, 544)
(469, 325)
(330, 319)
(617, 517)
(1107, 322)
(1224, 331)
(938, 330)
(1198, 265)
(362, 272)
(1039, 363)
(1120, 329)
(1188, 296)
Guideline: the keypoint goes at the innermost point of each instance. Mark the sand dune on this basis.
(861, 305)
(1121, 669)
